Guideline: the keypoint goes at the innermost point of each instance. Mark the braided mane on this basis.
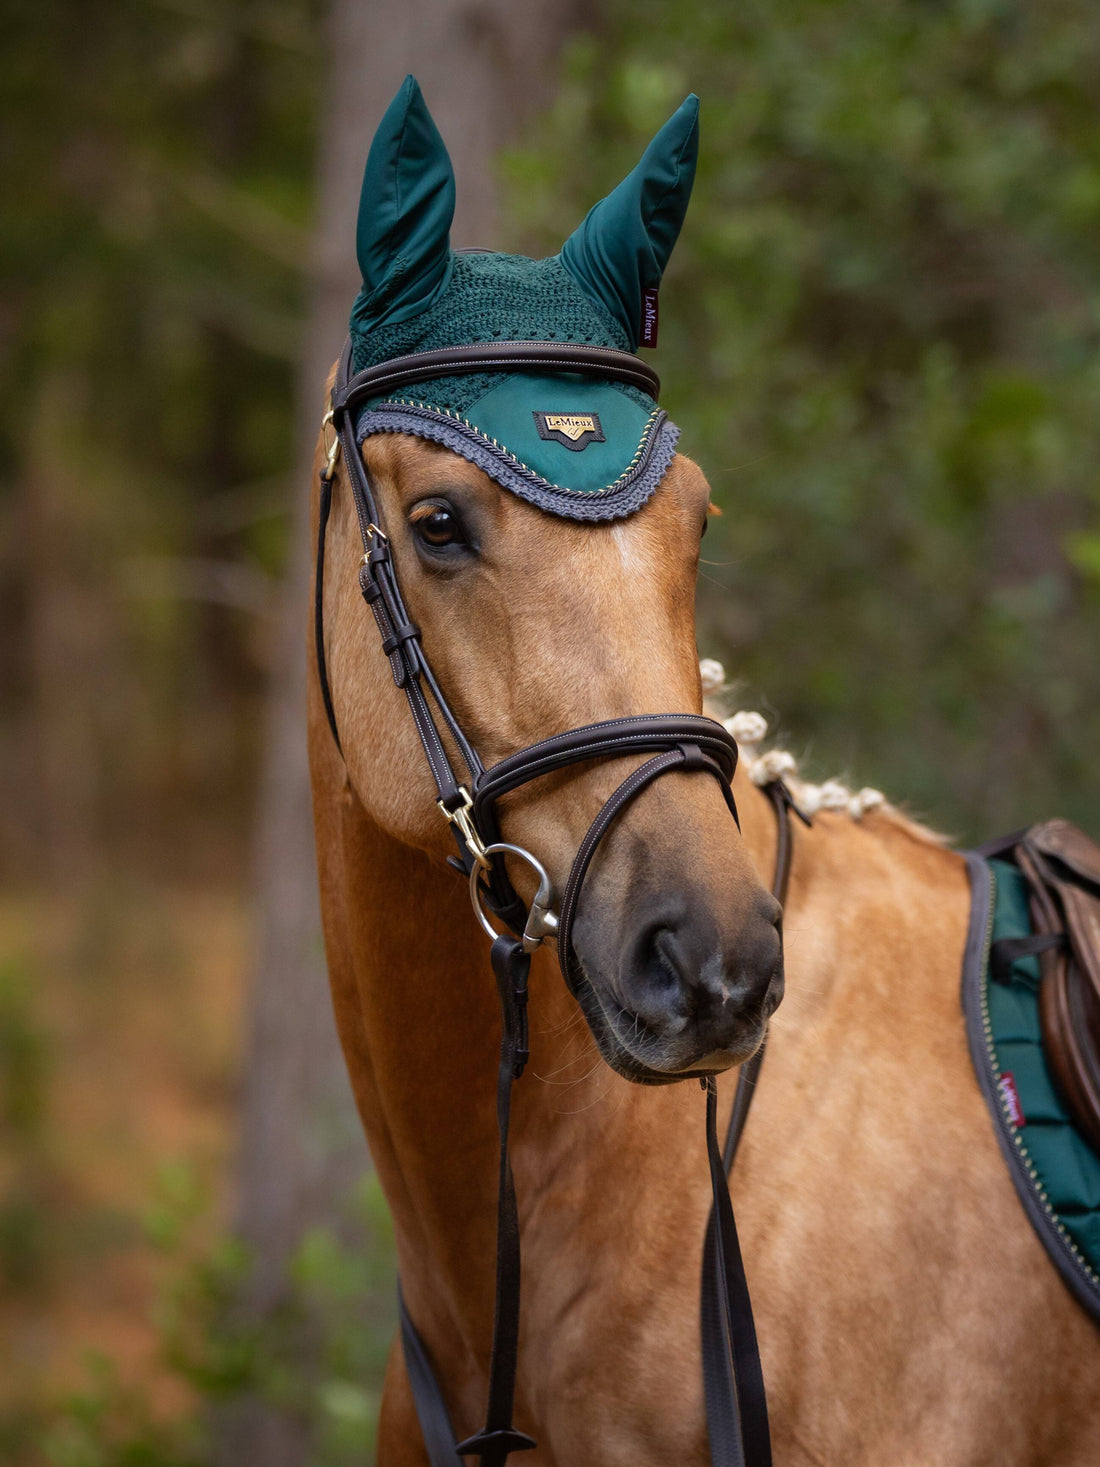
(763, 766)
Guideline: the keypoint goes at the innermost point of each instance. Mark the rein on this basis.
(736, 1408)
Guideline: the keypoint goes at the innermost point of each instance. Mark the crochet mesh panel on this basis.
(492, 297)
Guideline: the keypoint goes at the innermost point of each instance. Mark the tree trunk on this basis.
(484, 66)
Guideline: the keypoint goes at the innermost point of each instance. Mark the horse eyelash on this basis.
(422, 511)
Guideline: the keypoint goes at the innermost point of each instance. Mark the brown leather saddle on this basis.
(1062, 868)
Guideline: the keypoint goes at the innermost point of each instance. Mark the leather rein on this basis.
(736, 1408)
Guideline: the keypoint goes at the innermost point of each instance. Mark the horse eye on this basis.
(440, 528)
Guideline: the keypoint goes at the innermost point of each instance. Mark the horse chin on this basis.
(645, 1059)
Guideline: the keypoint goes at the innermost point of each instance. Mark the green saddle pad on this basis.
(1055, 1171)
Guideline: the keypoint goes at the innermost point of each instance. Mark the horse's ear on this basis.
(402, 238)
(621, 250)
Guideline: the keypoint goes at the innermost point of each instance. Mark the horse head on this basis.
(546, 537)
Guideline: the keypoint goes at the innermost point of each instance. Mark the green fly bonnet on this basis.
(573, 445)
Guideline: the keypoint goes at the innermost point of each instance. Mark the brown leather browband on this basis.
(497, 356)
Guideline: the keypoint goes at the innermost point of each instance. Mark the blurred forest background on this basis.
(881, 338)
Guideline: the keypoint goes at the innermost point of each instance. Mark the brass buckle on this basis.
(461, 818)
(372, 533)
(332, 449)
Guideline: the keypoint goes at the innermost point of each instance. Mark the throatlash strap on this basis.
(1054, 1170)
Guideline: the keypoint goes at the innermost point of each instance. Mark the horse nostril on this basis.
(677, 977)
(680, 975)
(655, 978)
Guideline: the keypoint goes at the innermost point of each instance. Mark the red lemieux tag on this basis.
(649, 318)
(1011, 1097)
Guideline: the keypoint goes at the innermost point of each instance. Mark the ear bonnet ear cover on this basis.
(625, 242)
(573, 445)
(403, 237)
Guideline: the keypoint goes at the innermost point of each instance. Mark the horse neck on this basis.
(418, 1012)
(873, 934)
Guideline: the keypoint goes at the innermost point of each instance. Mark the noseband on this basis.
(736, 1409)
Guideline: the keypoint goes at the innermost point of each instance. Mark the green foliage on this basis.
(316, 1354)
(110, 1424)
(158, 166)
(23, 1058)
(880, 339)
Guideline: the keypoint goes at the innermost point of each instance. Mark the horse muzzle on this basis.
(670, 992)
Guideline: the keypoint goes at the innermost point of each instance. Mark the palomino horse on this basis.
(906, 1312)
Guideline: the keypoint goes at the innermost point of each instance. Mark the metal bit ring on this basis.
(542, 920)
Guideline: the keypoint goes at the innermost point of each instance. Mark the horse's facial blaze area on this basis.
(675, 993)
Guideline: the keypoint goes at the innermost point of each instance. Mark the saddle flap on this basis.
(1062, 868)
(1068, 864)
(1062, 841)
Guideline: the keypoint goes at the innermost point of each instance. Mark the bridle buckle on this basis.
(462, 817)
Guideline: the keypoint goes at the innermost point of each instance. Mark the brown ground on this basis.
(137, 997)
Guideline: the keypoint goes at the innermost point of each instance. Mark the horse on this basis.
(905, 1311)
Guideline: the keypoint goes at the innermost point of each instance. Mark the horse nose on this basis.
(700, 990)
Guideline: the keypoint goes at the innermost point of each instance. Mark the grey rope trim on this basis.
(629, 492)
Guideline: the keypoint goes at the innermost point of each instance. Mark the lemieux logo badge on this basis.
(571, 430)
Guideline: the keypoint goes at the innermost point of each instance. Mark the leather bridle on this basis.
(736, 1407)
